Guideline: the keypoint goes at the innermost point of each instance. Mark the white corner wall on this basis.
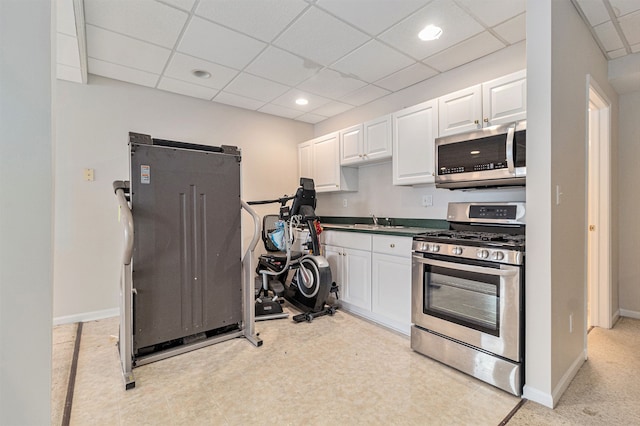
(26, 206)
(93, 123)
(561, 53)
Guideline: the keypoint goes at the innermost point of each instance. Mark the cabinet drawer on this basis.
(391, 244)
(353, 240)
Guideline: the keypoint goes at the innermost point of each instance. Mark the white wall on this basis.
(92, 131)
(26, 227)
(561, 53)
(376, 194)
(629, 204)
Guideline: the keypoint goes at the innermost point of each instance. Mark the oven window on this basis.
(470, 299)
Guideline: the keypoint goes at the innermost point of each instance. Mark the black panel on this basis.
(492, 212)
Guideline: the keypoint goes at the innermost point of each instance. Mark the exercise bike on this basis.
(301, 278)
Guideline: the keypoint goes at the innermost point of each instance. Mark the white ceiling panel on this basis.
(332, 108)
(65, 72)
(608, 36)
(215, 43)
(67, 53)
(186, 5)
(65, 17)
(238, 101)
(311, 118)
(514, 30)
(320, 37)
(378, 15)
(184, 88)
(263, 19)
(145, 20)
(630, 25)
(467, 51)
(122, 73)
(280, 111)
(364, 95)
(618, 53)
(283, 67)
(635, 48)
(455, 23)
(181, 66)
(406, 77)
(288, 100)
(493, 12)
(595, 11)
(331, 84)
(358, 62)
(118, 49)
(253, 87)
(624, 7)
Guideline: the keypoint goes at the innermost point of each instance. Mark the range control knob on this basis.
(457, 250)
(483, 254)
(498, 255)
(425, 247)
(435, 248)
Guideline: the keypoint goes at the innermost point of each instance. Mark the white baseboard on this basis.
(629, 313)
(87, 316)
(536, 395)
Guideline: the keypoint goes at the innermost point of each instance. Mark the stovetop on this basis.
(475, 239)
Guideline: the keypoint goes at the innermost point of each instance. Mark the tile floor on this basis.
(335, 370)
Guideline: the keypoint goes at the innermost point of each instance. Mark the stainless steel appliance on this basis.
(467, 292)
(490, 157)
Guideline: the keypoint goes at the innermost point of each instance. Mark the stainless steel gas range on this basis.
(467, 292)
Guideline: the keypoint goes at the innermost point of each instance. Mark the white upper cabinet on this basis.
(499, 101)
(504, 100)
(305, 160)
(366, 143)
(460, 111)
(319, 159)
(414, 132)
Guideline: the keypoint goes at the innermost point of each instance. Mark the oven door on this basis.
(477, 303)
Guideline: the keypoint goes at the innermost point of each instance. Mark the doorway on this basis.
(598, 291)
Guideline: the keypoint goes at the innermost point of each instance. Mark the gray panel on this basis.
(187, 251)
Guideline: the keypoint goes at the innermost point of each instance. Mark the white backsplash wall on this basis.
(377, 195)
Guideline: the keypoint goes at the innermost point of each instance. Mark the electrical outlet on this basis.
(427, 200)
(89, 175)
(344, 203)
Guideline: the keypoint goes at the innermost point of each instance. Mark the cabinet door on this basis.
(504, 99)
(356, 274)
(326, 162)
(391, 289)
(414, 133)
(351, 142)
(305, 160)
(334, 257)
(460, 111)
(377, 139)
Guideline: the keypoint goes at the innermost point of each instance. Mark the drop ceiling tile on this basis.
(182, 4)
(288, 100)
(263, 19)
(332, 108)
(514, 30)
(65, 72)
(65, 17)
(320, 37)
(364, 95)
(359, 62)
(280, 111)
(311, 118)
(253, 87)
(119, 72)
(237, 101)
(493, 12)
(67, 53)
(635, 48)
(618, 52)
(624, 7)
(595, 11)
(181, 66)
(467, 51)
(608, 36)
(377, 17)
(331, 84)
(406, 77)
(630, 25)
(118, 49)
(145, 20)
(188, 89)
(455, 23)
(283, 67)
(215, 43)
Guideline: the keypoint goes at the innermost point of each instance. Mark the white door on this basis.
(351, 142)
(414, 133)
(305, 160)
(334, 258)
(391, 289)
(460, 111)
(377, 138)
(504, 100)
(356, 269)
(326, 162)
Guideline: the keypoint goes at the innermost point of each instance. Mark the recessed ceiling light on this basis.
(302, 101)
(430, 32)
(201, 73)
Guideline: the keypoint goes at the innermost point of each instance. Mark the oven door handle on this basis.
(510, 163)
(469, 268)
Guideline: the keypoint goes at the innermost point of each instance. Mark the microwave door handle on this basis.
(510, 164)
(468, 268)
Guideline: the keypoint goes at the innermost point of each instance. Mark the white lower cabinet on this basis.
(374, 275)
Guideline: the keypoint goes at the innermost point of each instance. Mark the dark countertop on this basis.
(387, 226)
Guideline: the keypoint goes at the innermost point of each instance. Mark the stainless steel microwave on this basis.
(491, 157)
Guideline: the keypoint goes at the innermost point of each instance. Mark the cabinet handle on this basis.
(360, 155)
(392, 245)
(476, 122)
(486, 120)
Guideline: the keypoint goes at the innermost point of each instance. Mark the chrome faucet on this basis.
(375, 219)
